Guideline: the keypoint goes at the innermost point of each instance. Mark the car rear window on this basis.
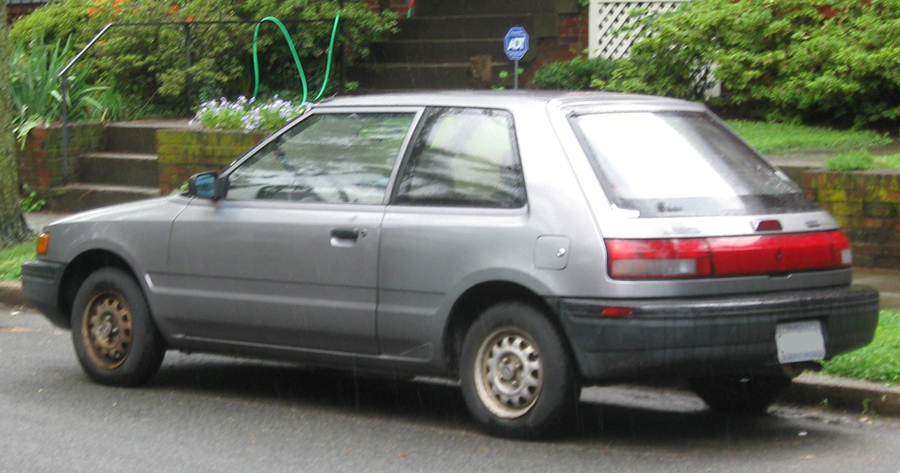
(681, 164)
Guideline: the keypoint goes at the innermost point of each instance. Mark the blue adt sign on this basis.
(515, 43)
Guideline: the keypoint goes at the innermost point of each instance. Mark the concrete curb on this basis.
(11, 294)
(809, 389)
(847, 394)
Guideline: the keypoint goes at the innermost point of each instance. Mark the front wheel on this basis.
(115, 338)
(517, 377)
(740, 394)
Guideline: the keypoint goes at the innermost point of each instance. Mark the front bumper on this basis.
(691, 337)
(40, 285)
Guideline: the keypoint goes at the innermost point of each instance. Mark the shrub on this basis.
(148, 63)
(580, 73)
(789, 59)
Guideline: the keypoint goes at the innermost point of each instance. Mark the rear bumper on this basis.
(40, 285)
(707, 336)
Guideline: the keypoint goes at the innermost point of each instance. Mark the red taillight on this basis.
(617, 312)
(772, 254)
(728, 256)
(675, 258)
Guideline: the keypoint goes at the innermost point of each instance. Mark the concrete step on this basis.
(440, 51)
(138, 136)
(80, 197)
(476, 26)
(125, 138)
(125, 169)
(398, 76)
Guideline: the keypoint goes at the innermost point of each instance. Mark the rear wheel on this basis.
(516, 375)
(115, 338)
(740, 394)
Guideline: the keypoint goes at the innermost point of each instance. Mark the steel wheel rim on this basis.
(107, 329)
(509, 374)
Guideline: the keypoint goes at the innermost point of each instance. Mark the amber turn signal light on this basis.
(43, 244)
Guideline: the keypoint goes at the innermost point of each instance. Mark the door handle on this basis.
(346, 233)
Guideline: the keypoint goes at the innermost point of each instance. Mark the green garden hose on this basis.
(290, 41)
(334, 30)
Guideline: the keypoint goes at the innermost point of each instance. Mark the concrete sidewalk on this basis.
(808, 389)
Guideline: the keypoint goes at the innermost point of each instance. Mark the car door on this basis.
(459, 209)
(289, 257)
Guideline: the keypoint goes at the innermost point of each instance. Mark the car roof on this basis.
(511, 99)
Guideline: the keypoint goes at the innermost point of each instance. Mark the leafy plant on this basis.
(504, 79)
(790, 60)
(580, 73)
(247, 115)
(31, 201)
(36, 94)
(867, 409)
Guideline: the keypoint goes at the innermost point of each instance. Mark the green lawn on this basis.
(879, 361)
(11, 259)
(774, 138)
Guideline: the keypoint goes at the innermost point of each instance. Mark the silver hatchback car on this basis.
(522, 244)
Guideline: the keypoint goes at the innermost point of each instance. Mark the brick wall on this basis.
(867, 205)
(183, 153)
(40, 162)
(571, 42)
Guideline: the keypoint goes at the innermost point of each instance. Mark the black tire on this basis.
(115, 338)
(746, 395)
(516, 374)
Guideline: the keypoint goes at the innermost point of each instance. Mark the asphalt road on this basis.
(211, 414)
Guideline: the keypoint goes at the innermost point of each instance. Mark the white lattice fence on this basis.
(607, 16)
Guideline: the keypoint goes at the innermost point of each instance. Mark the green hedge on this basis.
(809, 60)
(834, 61)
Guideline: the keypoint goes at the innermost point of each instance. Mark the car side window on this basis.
(329, 157)
(464, 157)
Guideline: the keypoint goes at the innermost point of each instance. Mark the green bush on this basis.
(580, 73)
(147, 64)
(791, 60)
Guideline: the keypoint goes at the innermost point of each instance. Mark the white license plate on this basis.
(800, 341)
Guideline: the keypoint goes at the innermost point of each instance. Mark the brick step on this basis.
(440, 51)
(137, 137)
(397, 76)
(80, 197)
(476, 26)
(124, 169)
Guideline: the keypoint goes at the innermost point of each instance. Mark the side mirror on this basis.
(208, 185)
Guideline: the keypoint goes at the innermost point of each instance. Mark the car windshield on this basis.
(681, 164)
